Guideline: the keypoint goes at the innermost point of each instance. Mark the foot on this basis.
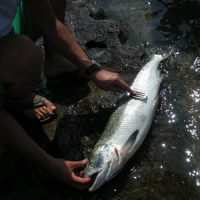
(33, 106)
(43, 109)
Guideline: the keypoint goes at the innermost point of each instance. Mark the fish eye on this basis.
(91, 165)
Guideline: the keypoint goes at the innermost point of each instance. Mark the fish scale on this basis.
(127, 127)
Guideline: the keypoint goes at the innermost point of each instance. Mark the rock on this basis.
(123, 35)
(95, 13)
(128, 59)
(86, 29)
(103, 39)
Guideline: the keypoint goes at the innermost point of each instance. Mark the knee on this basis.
(20, 63)
(31, 56)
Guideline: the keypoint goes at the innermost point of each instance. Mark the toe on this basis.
(50, 106)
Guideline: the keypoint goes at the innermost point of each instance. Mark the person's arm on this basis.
(14, 137)
(58, 35)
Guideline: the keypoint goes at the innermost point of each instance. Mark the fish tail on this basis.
(165, 56)
(162, 57)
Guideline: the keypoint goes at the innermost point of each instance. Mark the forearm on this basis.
(56, 33)
(14, 137)
(63, 41)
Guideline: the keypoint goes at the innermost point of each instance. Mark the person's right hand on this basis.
(114, 82)
(65, 172)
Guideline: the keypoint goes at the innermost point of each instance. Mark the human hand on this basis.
(114, 82)
(65, 172)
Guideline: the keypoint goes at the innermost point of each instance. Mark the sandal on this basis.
(30, 109)
(41, 102)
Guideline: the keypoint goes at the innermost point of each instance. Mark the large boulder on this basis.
(103, 39)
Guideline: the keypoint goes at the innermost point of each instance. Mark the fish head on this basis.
(101, 166)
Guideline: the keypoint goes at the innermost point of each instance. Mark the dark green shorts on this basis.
(22, 23)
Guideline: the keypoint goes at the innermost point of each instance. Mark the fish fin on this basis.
(155, 102)
(130, 141)
(166, 55)
(117, 154)
(108, 173)
(161, 57)
(125, 94)
(113, 166)
(124, 98)
(161, 77)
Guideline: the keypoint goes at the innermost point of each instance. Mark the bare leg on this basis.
(56, 64)
(14, 137)
(20, 62)
(20, 69)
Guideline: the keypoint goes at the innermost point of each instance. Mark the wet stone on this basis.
(103, 39)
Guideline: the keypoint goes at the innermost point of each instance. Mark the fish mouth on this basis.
(94, 174)
(100, 178)
(95, 184)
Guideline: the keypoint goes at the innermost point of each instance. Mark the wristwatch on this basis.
(94, 67)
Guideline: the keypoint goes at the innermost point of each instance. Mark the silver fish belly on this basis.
(127, 127)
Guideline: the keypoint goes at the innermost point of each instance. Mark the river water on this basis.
(167, 165)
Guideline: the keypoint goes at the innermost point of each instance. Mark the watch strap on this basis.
(94, 67)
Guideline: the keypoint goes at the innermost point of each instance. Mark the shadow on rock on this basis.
(76, 134)
(68, 88)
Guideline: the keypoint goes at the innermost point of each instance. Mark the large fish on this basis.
(127, 126)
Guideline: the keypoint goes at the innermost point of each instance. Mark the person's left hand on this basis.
(113, 81)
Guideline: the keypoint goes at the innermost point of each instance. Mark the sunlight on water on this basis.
(196, 95)
(192, 128)
(170, 114)
(168, 166)
(196, 65)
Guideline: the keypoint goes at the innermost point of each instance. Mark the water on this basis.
(168, 164)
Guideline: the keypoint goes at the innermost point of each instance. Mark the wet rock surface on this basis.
(103, 39)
